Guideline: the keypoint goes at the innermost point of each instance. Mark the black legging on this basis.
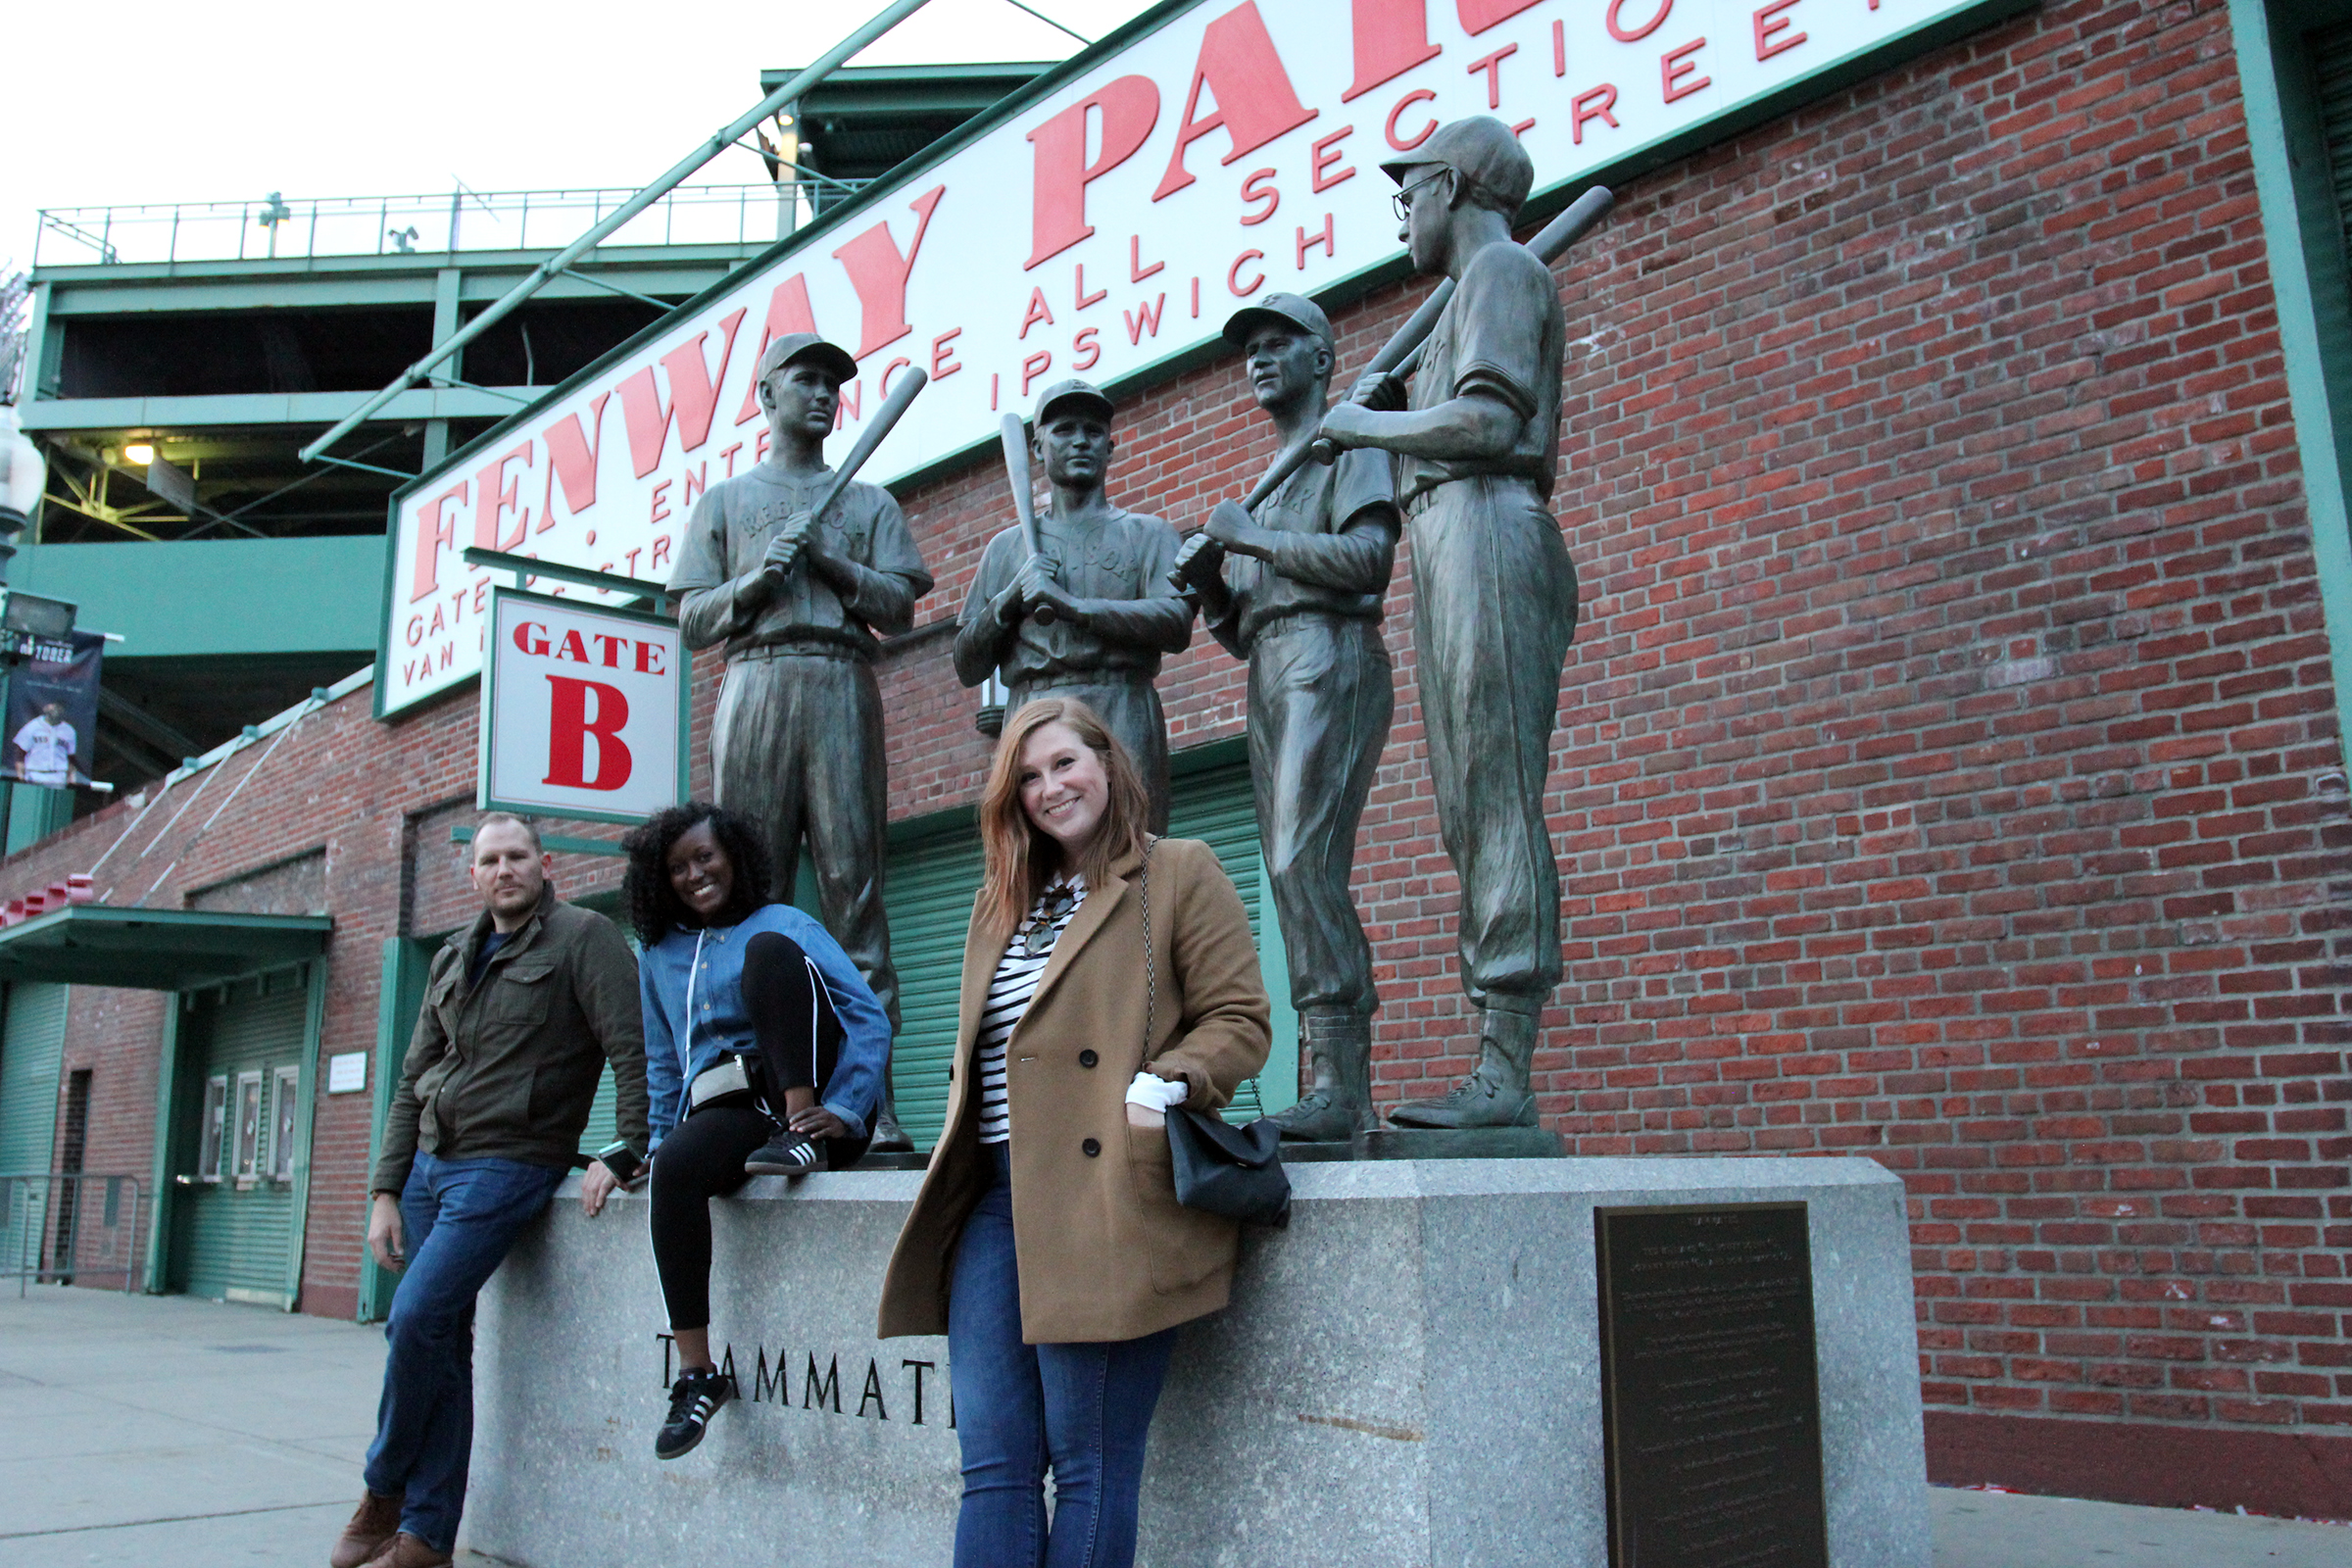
(798, 1037)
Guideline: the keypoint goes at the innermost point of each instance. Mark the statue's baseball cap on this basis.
(1480, 149)
(1292, 310)
(1071, 391)
(806, 346)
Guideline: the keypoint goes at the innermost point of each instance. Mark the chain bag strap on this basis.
(1220, 1169)
(1142, 890)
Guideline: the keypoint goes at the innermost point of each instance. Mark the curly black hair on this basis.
(654, 909)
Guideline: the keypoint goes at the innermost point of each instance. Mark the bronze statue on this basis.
(1295, 590)
(802, 604)
(1092, 616)
(1495, 593)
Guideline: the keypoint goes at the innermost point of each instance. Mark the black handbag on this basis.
(1220, 1169)
(1229, 1170)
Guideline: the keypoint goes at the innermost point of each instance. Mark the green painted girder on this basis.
(682, 271)
(198, 597)
(157, 950)
(872, 92)
(269, 408)
(283, 272)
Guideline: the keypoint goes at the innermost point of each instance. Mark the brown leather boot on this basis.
(405, 1551)
(376, 1522)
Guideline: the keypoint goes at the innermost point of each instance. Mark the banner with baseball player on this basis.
(53, 713)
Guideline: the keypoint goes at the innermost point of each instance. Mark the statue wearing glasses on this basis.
(1495, 594)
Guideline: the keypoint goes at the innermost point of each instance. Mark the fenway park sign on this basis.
(1100, 223)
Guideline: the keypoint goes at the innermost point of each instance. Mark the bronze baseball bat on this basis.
(1401, 354)
(888, 415)
(1013, 435)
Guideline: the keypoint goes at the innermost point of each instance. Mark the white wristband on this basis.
(1154, 1092)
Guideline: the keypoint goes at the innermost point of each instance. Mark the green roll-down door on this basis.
(932, 879)
(33, 1044)
(232, 1223)
(1216, 807)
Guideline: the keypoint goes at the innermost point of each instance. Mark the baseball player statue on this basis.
(1495, 594)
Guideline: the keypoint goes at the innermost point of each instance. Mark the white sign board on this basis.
(347, 1072)
(585, 710)
(1100, 223)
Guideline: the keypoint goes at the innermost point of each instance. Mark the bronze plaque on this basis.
(1708, 1393)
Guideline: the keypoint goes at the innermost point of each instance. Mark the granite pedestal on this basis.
(1409, 1375)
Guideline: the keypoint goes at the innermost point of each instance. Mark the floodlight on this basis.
(141, 452)
(24, 614)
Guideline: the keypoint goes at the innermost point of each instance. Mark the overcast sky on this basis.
(145, 102)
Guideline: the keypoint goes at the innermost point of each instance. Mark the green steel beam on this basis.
(267, 407)
(875, 91)
(207, 596)
(721, 140)
(109, 295)
(306, 1106)
(293, 269)
(44, 349)
(170, 1139)
(684, 279)
(603, 581)
(446, 284)
(2303, 233)
(127, 291)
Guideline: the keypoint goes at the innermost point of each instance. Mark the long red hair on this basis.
(1020, 860)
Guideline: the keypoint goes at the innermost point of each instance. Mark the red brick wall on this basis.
(1947, 770)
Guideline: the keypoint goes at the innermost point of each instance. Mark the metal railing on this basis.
(66, 1227)
(275, 227)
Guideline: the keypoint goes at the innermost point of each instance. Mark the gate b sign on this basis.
(586, 709)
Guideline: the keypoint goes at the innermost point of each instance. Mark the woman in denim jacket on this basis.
(761, 1044)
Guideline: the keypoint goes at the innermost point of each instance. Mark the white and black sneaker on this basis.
(788, 1154)
(693, 1398)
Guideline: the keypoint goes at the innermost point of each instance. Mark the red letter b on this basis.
(570, 727)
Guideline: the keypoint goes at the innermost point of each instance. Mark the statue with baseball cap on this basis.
(1295, 590)
(1108, 611)
(802, 604)
(1495, 594)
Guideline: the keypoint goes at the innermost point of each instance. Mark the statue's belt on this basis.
(805, 648)
(1119, 675)
(1422, 500)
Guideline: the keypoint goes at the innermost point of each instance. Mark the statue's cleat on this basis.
(1319, 1119)
(889, 1137)
(1475, 1102)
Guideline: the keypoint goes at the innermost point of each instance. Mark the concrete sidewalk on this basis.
(158, 1430)
(162, 1430)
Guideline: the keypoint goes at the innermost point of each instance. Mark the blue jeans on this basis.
(459, 1218)
(1082, 1410)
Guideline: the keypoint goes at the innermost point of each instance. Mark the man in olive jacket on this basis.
(522, 1010)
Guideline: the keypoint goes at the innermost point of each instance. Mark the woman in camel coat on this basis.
(1046, 1242)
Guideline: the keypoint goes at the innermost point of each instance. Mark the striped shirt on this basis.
(1009, 997)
